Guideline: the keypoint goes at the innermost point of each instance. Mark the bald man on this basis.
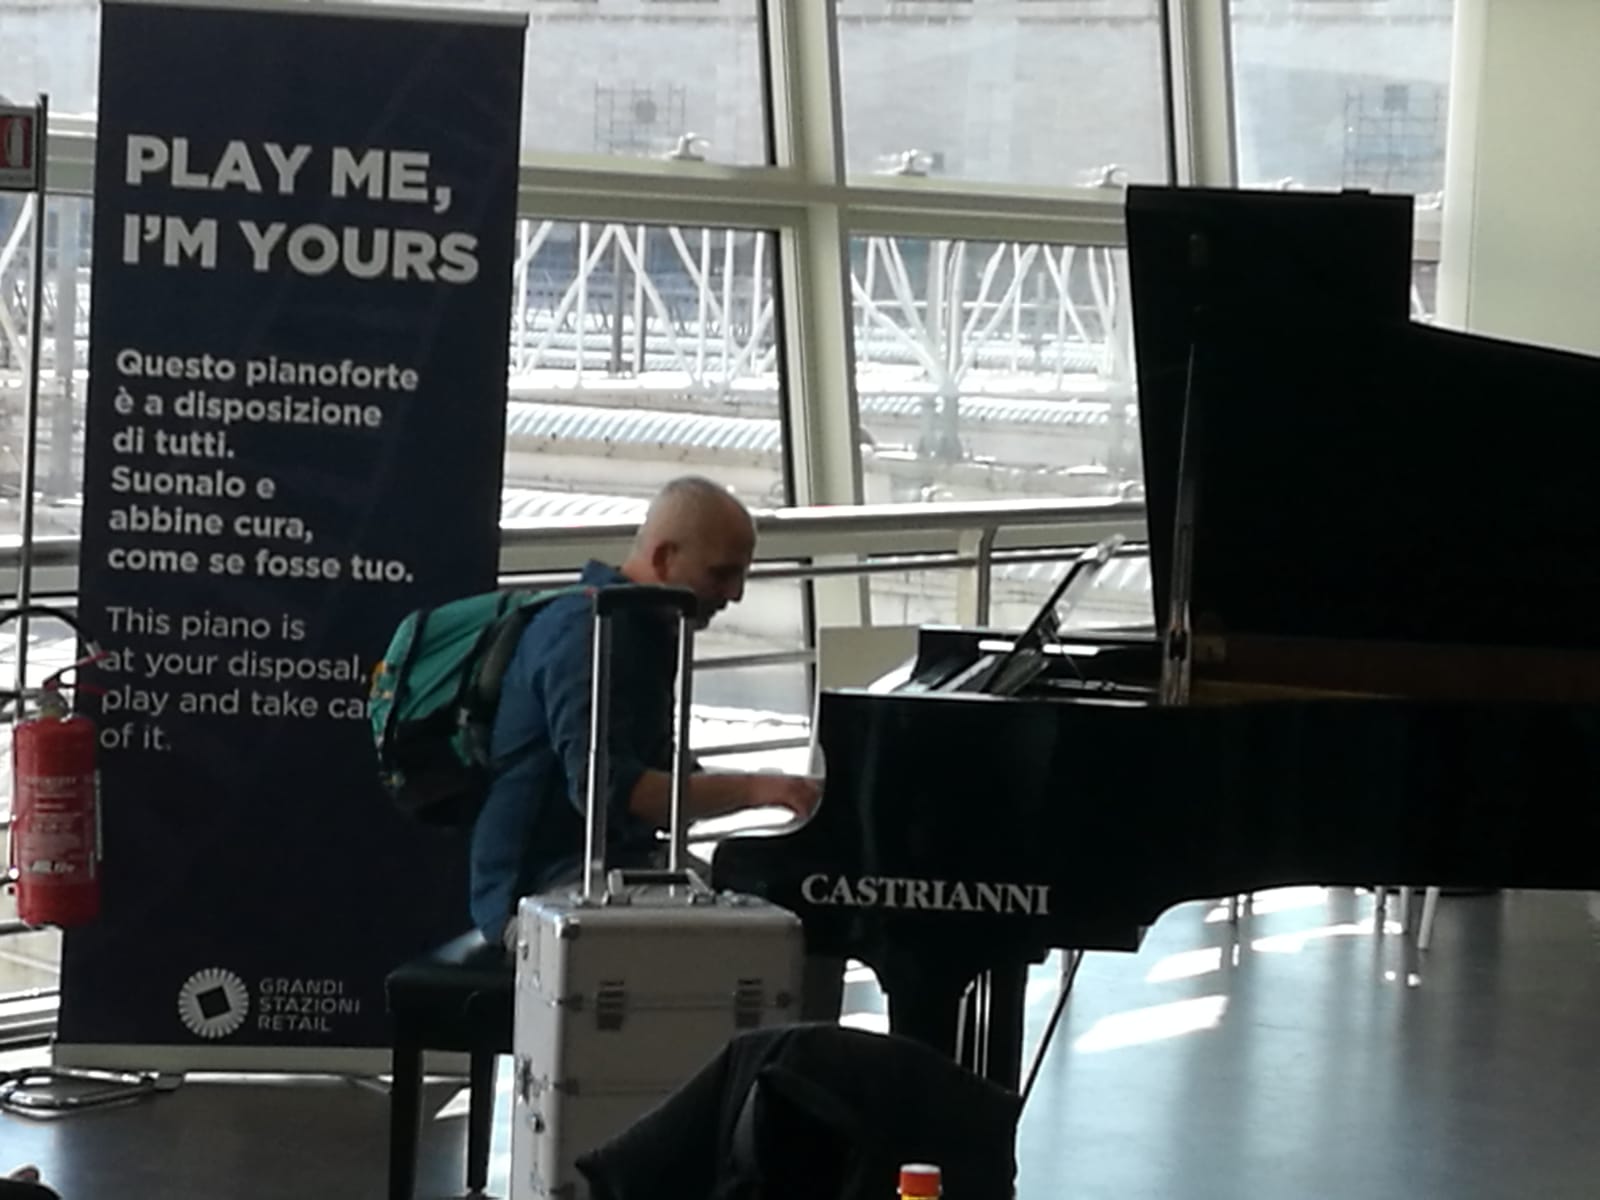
(529, 835)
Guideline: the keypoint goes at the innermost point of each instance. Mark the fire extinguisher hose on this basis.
(91, 649)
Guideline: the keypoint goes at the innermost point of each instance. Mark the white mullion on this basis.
(963, 198)
(1102, 225)
(574, 203)
(700, 194)
(1201, 91)
(807, 123)
(814, 277)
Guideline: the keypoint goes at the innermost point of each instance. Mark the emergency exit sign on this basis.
(19, 149)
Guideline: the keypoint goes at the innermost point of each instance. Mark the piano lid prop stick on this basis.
(1067, 978)
(1178, 641)
(594, 850)
(677, 849)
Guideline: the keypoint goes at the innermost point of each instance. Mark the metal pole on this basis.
(583, 292)
(729, 262)
(677, 852)
(58, 472)
(640, 325)
(594, 850)
(30, 447)
(705, 300)
(985, 573)
(617, 263)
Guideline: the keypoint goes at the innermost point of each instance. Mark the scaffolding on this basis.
(1395, 137)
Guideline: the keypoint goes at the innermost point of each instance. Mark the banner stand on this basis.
(304, 242)
(350, 1062)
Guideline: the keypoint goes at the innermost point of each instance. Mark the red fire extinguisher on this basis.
(55, 809)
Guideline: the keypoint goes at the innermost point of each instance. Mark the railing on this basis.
(912, 535)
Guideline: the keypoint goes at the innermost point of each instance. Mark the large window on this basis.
(821, 250)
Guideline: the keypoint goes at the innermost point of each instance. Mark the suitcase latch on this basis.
(749, 998)
(610, 1005)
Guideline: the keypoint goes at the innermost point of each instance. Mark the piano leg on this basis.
(928, 1013)
(984, 1035)
(822, 988)
(1006, 1010)
(972, 1024)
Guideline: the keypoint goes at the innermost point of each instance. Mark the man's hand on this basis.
(798, 793)
(715, 794)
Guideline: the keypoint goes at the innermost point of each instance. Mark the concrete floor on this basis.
(1299, 1055)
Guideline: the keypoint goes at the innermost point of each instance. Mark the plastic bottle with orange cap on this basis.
(920, 1181)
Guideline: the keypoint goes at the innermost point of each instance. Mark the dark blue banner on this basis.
(303, 232)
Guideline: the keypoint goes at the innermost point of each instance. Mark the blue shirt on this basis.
(530, 832)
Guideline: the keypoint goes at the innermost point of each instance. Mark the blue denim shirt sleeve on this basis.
(564, 677)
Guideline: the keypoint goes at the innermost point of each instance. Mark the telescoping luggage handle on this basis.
(609, 601)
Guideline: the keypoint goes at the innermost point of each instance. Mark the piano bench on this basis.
(456, 997)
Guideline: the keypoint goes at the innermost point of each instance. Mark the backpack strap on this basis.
(481, 690)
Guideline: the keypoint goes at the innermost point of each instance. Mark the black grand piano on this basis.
(1374, 658)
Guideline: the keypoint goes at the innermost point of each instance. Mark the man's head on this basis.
(696, 535)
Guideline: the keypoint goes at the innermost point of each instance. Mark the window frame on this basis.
(806, 197)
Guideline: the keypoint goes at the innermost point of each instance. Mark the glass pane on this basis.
(1425, 292)
(27, 960)
(764, 701)
(915, 597)
(647, 78)
(54, 48)
(65, 338)
(641, 352)
(994, 370)
(1014, 91)
(1120, 598)
(1343, 95)
(633, 77)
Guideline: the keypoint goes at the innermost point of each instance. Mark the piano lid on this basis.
(1362, 478)
(1223, 262)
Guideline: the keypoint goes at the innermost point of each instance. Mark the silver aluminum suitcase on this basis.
(629, 984)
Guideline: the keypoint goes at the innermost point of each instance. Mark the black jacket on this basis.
(815, 1112)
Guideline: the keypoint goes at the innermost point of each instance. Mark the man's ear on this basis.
(661, 556)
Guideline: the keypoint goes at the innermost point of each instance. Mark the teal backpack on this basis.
(433, 698)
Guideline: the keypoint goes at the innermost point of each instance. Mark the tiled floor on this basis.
(1298, 1056)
